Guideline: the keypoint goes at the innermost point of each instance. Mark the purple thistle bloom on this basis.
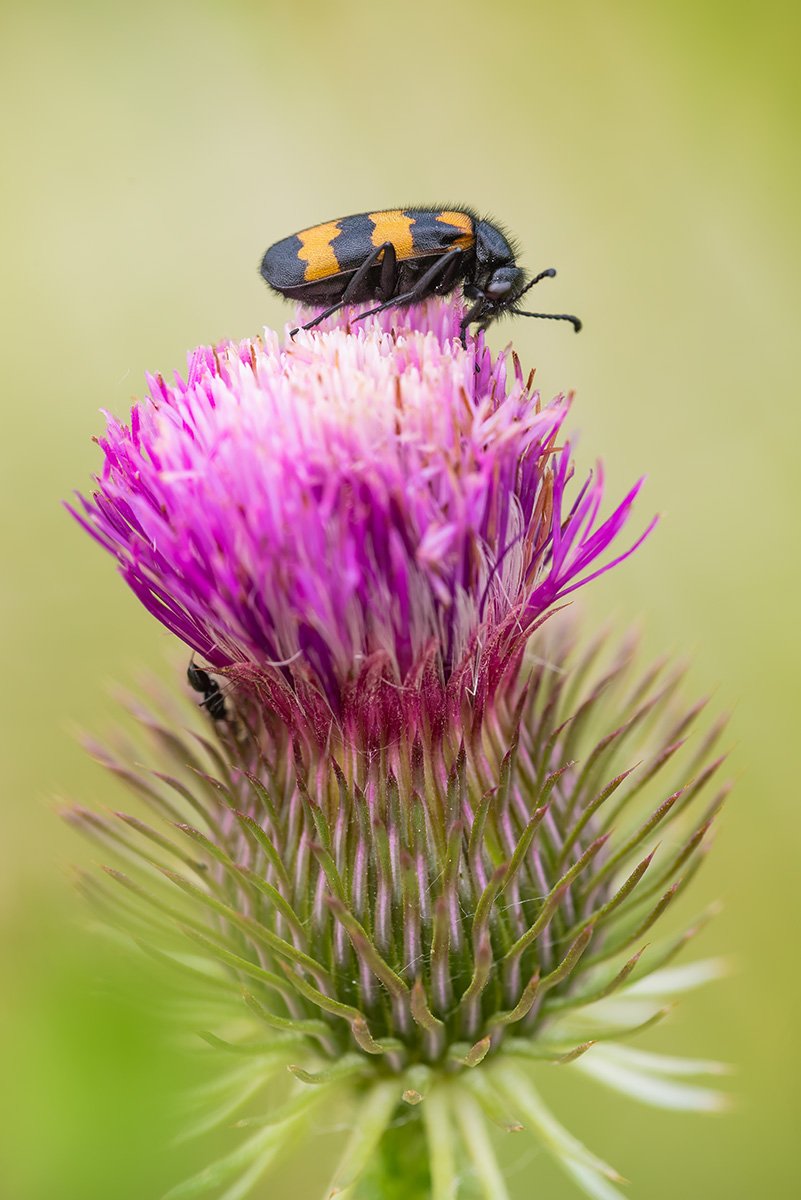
(369, 521)
(413, 857)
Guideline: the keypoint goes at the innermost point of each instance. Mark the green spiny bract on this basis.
(433, 909)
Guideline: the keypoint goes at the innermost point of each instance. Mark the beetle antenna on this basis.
(574, 321)
(547, 274)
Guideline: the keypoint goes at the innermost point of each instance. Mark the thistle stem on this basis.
(400, 1169)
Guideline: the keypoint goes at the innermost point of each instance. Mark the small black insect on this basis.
(213, 699)
(402, 256)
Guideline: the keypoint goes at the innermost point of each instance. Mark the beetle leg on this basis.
(472, 314)
(386, 284)
(448, 280)
(322, 316)
(389, 271)
(423, 288)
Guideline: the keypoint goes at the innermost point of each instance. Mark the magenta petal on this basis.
(369, 509)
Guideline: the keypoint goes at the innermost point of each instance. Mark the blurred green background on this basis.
(151, 152)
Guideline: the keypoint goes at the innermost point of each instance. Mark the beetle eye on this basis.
(502, 281)
(498, 288)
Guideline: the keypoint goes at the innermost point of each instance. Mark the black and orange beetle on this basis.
(400, 256)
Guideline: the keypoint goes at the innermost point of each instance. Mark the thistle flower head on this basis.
(370, 523)
(421, 851)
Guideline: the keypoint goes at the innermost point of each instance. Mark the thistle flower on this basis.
(418, 856)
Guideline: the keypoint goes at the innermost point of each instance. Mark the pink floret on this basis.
(374, 516)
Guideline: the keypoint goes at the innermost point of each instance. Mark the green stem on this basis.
(400, 1169)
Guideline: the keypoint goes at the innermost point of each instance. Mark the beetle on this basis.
(401, 256)
(213, 699)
